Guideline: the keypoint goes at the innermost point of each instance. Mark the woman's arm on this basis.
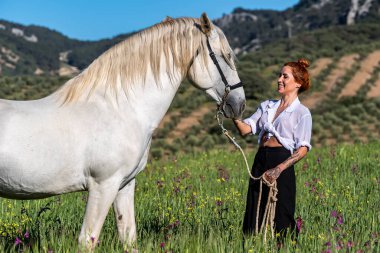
(243, 128)
(272, 174)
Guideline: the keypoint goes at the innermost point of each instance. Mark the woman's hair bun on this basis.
(303, 62)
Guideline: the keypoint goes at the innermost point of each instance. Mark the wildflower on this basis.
(299, 223)
(350, 244)
(328, 244)
(176, 189)
(333, 214)
(219, 202)
(162, 245)
(160, 184)
(319, 160)
(339, 219)
(18, 241)
(306, 184)
(26, 235)
(339, 246)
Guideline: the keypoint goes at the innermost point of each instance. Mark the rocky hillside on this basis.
(248, 30)
(33, 50)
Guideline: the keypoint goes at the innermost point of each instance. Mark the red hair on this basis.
(300, 73)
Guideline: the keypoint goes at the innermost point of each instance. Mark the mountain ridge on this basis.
(36, 50)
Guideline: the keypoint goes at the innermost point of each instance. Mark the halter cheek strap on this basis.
(213, 58)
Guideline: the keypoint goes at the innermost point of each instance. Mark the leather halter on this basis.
(213, 58)
(228, 87)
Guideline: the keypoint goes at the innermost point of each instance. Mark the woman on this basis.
(284, 128)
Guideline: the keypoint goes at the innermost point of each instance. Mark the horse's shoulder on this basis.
(5, 105)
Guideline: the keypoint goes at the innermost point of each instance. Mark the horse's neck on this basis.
(143, 103)
(150, 102)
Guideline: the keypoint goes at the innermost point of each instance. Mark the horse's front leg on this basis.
(125, 214)
(124, 206)
(100, 198)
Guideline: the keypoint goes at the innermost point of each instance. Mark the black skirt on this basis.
(265, 159)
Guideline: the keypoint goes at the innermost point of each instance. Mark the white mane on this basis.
(127, 62)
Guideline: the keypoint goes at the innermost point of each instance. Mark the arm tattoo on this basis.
(274, 173)
(294, 158)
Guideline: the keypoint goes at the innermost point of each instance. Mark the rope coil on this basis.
(270, 208)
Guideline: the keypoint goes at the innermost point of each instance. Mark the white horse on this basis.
(94, 133)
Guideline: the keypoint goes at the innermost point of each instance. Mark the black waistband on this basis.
(273, 149)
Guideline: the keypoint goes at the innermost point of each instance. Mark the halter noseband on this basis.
(228, 87)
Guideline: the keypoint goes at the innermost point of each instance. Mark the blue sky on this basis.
(97, 19)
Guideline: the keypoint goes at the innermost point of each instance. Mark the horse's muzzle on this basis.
(233, 107)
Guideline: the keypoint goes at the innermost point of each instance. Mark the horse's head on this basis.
(213, 70)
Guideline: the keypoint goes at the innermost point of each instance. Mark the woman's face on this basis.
(286, 83)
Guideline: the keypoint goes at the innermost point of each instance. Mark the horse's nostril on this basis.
(242, 107)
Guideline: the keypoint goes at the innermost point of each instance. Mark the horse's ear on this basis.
(168, 19)
(206, 25)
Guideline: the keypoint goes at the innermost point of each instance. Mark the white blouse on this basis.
(292, 127)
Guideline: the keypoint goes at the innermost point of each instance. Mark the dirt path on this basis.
(167, 118)
(361, 77)
(375, 90)
(319, 65)
(187, 122)
(344, 64)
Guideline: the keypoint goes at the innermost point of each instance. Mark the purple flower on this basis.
(162, 245)
(350, 244)
(299, 223)
(333, 214)
(339, 219)
(319, 160)
(306, 184)
(50, 251)
(327, 251)
(367, 244)
(18, 241)
(339, 246)
(219, 202)
(328, 244)
(26, 235)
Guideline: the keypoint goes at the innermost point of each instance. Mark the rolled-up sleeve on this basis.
(302, 132)
(254, 119)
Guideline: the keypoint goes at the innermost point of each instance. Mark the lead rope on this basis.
(270, 208)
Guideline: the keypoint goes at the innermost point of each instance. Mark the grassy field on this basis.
(195, 203)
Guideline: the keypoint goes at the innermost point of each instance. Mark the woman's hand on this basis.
(272, 174)
(243, 128)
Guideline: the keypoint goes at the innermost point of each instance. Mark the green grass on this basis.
(195, 203)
